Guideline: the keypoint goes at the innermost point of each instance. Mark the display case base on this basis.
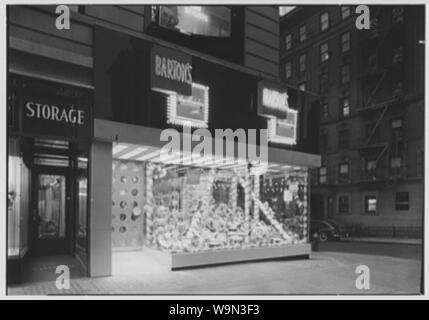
(188, 260)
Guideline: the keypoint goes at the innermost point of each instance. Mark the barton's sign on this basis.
(171, 70)
(273, 104)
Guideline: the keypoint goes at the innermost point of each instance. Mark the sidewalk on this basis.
(410, 241)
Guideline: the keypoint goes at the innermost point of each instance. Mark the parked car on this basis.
(324, 230)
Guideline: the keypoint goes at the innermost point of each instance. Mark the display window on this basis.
(190, 209)
(214, 21)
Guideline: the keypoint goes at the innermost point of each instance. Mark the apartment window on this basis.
(324, 21)
(370, 204)
(402, 201)
(324, 109)
(302, 86)
(345, 42)
(395, 163)
(397, 54)
(398, 14)
(302, 63)
(323, 172)
(345, 74)
(303, 33)
(323, 82)
(345, 12)
(323, 142)
(343, 139)
(396, 123)
(343, 171)
(288, 41)
(344, 203)
(324, 52)
(370, 165)
(345, 107)
(288, 70)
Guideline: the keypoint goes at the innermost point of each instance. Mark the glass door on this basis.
(50, 218)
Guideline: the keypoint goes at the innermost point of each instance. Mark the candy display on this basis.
(202, 212)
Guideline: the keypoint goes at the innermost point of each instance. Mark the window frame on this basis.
(348, 197)
(343, 176)
(324, 175)
(366, 211)
(324, 23)
(342, 107)
(302, 63)
(288, 41)
(288, 67)
(348, 79)
(403, 205)
(340, 143)
(348, 41)
(324, 53)
(344, 17)
(302, 37)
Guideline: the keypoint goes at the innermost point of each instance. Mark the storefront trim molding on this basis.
(185, 260)
(111, 131)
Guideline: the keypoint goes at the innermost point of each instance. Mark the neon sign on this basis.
(281, 120)
(190, 110)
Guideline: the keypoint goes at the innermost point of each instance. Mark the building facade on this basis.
(91, 108)
(371, 89)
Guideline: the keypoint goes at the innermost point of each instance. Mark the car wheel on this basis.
(323, 237)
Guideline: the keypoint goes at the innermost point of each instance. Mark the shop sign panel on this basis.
(171, 71)
(273, 104)
(57, 118)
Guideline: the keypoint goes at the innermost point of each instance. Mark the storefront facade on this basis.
(101, 182)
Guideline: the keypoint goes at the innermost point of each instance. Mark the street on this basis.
(382, 249)
(394, 269)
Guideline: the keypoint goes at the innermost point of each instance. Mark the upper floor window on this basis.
(345, 74)
(370, 204)
(302, 33)
(288, 41)
(344, 203)
(323, 82)
(345, 107)
(302, 86)
(345, 12)
(343, 139)
(345, 42)
(302, 63)
(398, 14)
(323, 175)
(343, 171)
(324, 111)
(396, 123)
(324, 21)
(324, 52)
(402, 201)
(213, 21)
(370, 166)
(288, 70)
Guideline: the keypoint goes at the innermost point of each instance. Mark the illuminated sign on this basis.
(171, 71)
(190, 110)
(273, 104)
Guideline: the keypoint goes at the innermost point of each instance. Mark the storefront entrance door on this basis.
(50, 223)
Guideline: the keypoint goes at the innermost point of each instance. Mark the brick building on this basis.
(371, 87)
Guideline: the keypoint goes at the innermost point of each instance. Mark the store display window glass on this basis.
(214, 206)
(214, 21)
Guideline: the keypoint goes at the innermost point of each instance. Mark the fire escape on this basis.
(382, 95)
